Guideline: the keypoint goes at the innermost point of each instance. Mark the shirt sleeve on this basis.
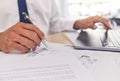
(57, 22)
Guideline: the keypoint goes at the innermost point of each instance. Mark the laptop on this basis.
(98, 39)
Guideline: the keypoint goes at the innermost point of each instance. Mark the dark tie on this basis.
(22, 6)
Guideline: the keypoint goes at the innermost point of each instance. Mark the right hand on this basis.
(90, 23)
(21, 37)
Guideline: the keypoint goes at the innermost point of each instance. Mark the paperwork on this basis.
(55, 64)
(60, 63)
(104, 66)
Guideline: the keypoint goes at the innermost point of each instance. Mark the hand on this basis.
(21, 37)
(90, 23)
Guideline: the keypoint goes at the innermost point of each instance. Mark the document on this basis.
(54, 64)
(104, 66)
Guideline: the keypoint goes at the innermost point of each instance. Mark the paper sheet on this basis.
(55, 64)
(104, 66)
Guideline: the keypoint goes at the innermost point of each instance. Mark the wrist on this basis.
(76, 25)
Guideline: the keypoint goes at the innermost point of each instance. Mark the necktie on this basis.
(22, 6)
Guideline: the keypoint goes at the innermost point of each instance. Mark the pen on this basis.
(27, 18)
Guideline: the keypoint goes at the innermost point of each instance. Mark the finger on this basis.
(102, 20)
(106, 23)
(25, 42)
(91, 25)
(94, 27)
(28, 34)
(35, 29)
(20, 47)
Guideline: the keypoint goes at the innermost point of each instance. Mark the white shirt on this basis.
(44, 14)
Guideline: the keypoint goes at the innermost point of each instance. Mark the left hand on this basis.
(90, 23)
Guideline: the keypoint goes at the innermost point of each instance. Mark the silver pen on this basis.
(27, 18)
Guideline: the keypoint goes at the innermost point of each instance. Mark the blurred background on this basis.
(83, 8)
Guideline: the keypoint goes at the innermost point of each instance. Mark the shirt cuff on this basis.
(68, 24)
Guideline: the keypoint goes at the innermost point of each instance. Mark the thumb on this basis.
(94, 27)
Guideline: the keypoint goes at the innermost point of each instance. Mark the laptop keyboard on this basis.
(110, 38)
(115, 38)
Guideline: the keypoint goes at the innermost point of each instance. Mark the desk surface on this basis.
(59, 38)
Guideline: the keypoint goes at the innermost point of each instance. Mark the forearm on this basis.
(77, 25)
(62, 24)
